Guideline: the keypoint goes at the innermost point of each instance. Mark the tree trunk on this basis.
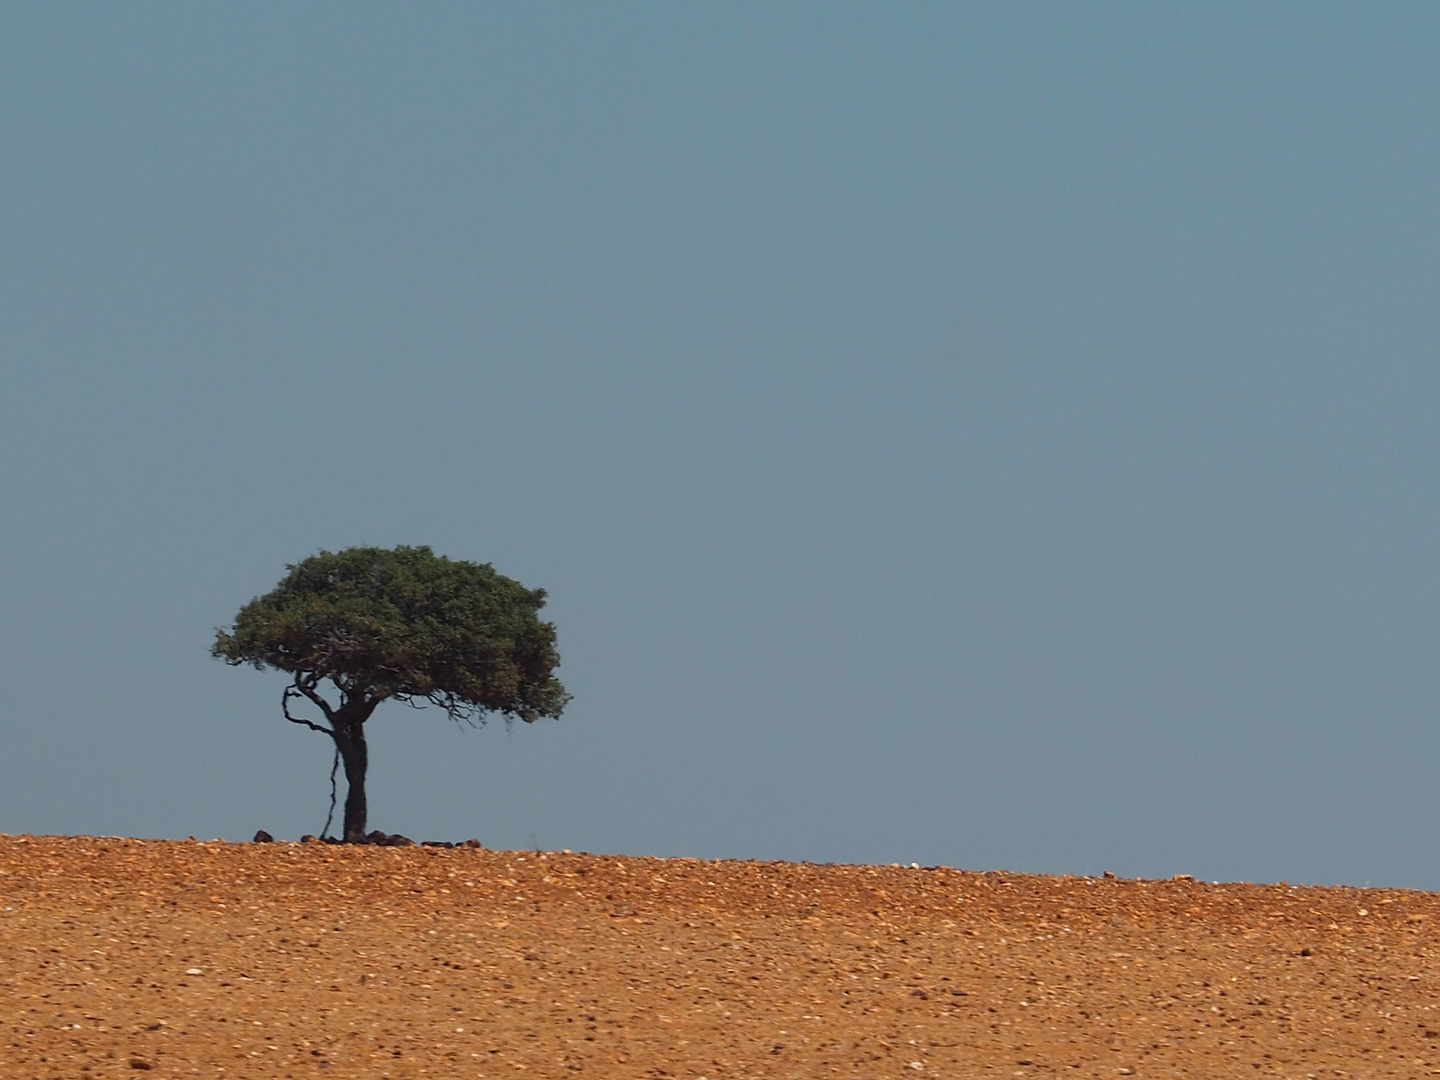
(349, 724)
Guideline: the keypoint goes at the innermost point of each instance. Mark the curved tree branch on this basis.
(305, 683)
(291, 691)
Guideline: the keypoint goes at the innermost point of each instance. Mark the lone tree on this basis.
(405, 624)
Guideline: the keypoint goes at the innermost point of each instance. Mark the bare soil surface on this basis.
(161, 958)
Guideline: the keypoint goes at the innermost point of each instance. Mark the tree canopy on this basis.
(400, 623)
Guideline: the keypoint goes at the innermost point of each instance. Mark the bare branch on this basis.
(334, 767)
(290, 692)
(462, 712)
(305, 684)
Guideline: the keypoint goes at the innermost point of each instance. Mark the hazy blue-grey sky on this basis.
(1000, 435)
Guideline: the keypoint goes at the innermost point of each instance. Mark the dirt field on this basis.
(123, 957)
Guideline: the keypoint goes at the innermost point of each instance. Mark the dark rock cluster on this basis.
(378, 838)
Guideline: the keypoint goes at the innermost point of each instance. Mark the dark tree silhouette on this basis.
(406, 624)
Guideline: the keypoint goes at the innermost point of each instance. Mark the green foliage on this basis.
(405, 624)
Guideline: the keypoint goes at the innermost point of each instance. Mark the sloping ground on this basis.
(128, 958)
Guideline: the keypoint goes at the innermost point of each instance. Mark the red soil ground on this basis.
(161, 958)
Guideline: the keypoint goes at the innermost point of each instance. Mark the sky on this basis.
(994, 435)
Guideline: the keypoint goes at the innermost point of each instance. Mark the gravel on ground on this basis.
(124, 957)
